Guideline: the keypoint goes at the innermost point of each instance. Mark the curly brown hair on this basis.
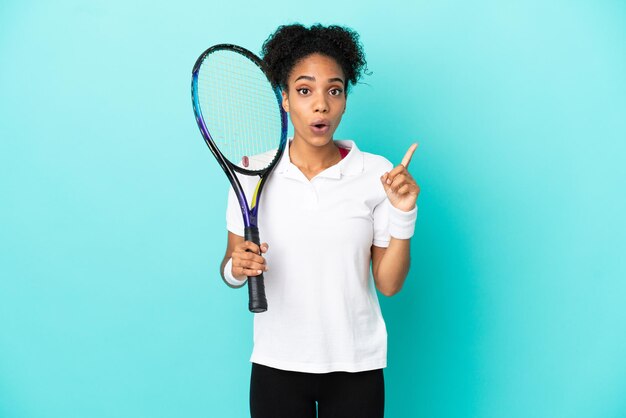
(289, 44)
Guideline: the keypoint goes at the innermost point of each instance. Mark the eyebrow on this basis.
(310, 78)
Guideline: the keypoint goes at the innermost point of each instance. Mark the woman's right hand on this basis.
(248, 260)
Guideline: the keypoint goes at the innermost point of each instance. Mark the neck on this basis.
(312, 160)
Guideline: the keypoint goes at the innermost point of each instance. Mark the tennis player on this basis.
(331, 213)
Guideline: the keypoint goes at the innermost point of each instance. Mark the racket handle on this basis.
(257, 302)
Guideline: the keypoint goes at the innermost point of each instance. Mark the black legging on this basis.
(283, 394)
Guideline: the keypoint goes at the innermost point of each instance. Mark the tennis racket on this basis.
(241, 118)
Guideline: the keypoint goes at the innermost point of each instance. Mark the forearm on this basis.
(390, 265)
(390, 269)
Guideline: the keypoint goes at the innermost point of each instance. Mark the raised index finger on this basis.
(409, 154)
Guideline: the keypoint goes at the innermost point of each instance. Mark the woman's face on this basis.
(315, 99)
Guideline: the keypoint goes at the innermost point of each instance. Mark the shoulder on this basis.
(371, 162)
(375, 162)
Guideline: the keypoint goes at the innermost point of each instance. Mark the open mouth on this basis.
(319, 127)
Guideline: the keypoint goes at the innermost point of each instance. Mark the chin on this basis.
(320, 141)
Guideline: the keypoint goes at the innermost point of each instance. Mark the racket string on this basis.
(240, 109)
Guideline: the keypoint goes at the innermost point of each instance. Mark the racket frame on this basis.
(256, 288)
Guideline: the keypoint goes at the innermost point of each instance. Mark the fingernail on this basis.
(259, 271)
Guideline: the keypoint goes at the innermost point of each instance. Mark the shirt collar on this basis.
(350, 165)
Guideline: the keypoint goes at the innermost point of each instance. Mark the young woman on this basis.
(331, 212)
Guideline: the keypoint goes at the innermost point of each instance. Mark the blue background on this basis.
(112, 208)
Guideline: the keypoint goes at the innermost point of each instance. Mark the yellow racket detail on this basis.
(256, 189)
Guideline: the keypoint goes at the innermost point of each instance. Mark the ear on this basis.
(285, 101)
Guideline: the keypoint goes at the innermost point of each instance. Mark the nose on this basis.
(321, 104)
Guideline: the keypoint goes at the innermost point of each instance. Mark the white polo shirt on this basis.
(323, 312)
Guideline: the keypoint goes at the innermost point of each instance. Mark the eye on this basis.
(303, 91)
(335, 92)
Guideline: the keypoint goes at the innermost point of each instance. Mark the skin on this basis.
(315, 100)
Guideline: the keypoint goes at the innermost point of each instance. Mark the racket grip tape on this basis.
(257, 302)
